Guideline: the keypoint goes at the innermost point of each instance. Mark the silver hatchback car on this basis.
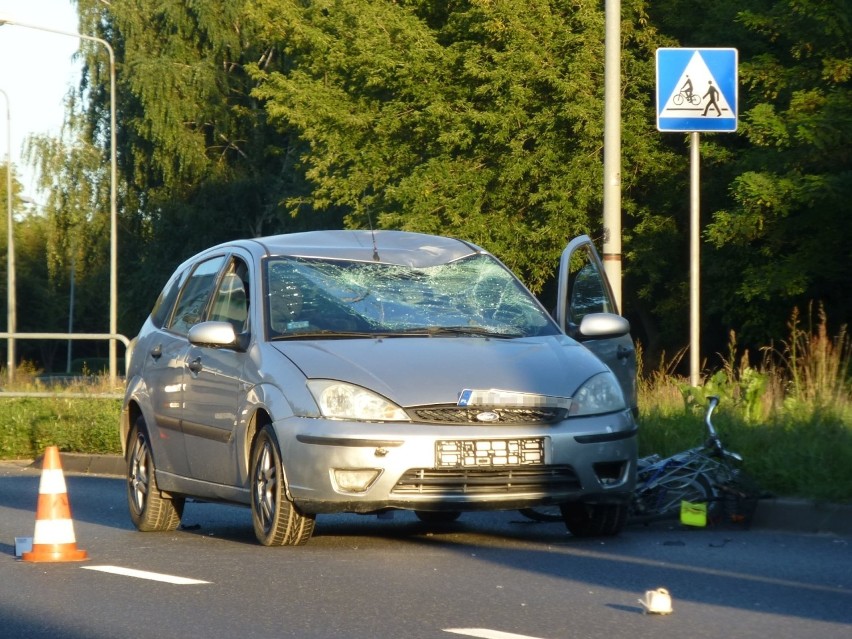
(359, 371)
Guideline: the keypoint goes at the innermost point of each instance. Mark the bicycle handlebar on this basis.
(713, 441)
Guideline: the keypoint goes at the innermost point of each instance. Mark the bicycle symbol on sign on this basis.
(684, 96)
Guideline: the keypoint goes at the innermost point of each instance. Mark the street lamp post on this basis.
(11, 319)
(113, 236)
(612, 149)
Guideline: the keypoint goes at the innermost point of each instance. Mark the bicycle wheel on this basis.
(662, 500)
(678, 99)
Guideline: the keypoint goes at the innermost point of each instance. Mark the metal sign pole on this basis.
(696, 91)
(694, 260)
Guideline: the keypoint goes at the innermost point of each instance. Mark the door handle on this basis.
(156, 352)
(195, 365)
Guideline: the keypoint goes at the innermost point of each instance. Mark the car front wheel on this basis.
(276, 520)
(149, 509)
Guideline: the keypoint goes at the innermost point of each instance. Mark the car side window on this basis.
(231, 301)
(195, 295)
(166, 301)
(587, 289)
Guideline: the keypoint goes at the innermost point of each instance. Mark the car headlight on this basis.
(339, 400)
(600, 394)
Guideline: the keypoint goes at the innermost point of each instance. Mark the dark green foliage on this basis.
(475, 118)
(786, 233)
(480, 120)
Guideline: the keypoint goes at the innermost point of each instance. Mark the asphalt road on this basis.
(490, 575)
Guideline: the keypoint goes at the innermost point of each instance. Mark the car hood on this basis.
(414, 371)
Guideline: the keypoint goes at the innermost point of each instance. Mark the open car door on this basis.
(586, 311)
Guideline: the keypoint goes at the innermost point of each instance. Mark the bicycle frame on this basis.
(707, 473)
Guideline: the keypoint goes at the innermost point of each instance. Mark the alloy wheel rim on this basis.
(265, 486)
(139, 477)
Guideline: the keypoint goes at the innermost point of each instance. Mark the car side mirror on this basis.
(600, 325)
(215, 334)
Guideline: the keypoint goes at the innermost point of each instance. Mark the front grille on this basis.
(473, 481)
(505, 415)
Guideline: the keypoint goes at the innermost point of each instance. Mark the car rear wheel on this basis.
(594, 520)
(276, 520)
(149, 509)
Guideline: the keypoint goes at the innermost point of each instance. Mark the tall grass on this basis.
(77, 415)
(790, 415)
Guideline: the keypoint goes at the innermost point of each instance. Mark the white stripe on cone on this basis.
(52, 482)
(54, 531)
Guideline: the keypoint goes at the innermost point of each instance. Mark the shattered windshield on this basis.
(472, 296)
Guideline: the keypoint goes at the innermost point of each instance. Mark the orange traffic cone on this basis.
(54, 531)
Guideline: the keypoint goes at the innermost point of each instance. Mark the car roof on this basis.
(388, 247)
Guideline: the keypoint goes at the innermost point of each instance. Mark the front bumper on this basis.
(405, 466)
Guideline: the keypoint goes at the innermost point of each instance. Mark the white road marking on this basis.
(486, 633)
(144, 574)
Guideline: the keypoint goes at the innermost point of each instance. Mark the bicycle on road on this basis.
(708, 474)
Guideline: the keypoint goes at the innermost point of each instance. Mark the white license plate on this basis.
(489, 453)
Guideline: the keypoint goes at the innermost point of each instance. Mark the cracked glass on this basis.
(475, 295)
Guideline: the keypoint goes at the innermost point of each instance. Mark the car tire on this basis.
(150, 511)
(275, 518)
(594, 520)
(437, 517)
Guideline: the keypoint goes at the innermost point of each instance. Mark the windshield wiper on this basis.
(324, 334)
(420, 331)
(433, 331)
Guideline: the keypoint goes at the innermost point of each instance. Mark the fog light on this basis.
(355, 480)
(611, 473)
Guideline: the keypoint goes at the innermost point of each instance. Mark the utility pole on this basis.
(612, 149)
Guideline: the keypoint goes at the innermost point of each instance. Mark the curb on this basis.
(803, 515)
(88, 464)
(785, 514)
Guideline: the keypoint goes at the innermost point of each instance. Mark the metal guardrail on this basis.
(117, 336)
(65, 336)
(75, 395)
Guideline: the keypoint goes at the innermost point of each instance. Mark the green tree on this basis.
(787, 232)
(774, 193)
(198, 163)
(478, 119)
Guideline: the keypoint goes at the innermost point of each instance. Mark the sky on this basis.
(37, 69)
